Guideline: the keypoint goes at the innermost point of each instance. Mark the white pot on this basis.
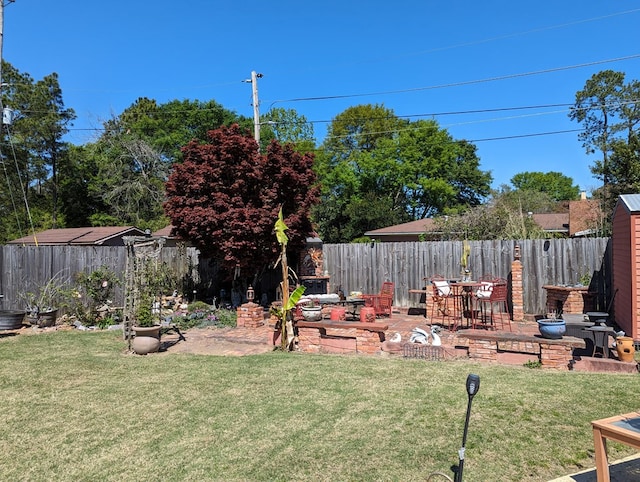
(312, 313)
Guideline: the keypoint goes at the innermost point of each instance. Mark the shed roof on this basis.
(95, 235)
(630, 201)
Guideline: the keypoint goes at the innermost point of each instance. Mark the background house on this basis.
(578, 220)
(89, 236)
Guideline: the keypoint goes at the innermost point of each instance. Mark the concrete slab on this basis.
(624, 470)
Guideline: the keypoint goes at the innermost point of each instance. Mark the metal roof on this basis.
(631, 201)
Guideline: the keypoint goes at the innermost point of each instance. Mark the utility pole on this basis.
(1, 38)
(2, 4)
(256, 104)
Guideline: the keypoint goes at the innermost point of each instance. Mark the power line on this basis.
(459, 84)
(520, 136)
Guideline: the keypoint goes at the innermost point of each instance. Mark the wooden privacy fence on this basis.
(364, 267)
(25, 268)
(352, 267)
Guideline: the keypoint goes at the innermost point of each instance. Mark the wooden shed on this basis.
(625, 264)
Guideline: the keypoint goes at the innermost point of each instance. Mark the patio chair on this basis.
(443, 306)
(381, 302)
(492, 294)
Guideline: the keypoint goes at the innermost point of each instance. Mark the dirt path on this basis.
(207, 342)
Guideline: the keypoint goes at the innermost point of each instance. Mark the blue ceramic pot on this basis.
(552, 329)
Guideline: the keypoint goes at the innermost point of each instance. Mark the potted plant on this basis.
(311, 312)
(154, 280)
(146, 330)
(41, 304)
(552, 327)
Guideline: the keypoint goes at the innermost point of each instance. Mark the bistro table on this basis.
(462, 293)
(621, 428)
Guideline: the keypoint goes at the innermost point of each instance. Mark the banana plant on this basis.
(289, 301)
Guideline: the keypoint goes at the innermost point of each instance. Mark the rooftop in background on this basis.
(89, 236)
(578, 221)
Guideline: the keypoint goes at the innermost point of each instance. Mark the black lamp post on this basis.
(473, 385)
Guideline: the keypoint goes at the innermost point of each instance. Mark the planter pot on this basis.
(626, 350)
(312, 313)
(146, 340)
(367, 314)
(11, 319)
(552, 329)
(47, 318)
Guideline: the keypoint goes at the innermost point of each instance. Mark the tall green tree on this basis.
(608, 110)
(122, 173)
(287, 126)
(33, 145)
(558, 186)
(127, 184)
(377, 170)
(170, 126)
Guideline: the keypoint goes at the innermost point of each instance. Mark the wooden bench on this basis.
(341, 336)
(488, 345)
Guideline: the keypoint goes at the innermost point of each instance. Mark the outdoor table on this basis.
(621, 428)
(355, 304)
(600, 336)
(423, 298)
(462, 293)
(423, 294)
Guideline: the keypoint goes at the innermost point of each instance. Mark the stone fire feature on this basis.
(311, 268)
(569, 299)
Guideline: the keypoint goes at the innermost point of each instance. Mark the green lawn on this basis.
(76, 407)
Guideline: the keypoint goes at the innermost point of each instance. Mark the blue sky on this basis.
(420, 58)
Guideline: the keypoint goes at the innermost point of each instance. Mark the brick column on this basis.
(483, 350)
(517, 290)
(556, 356)
(250, 315)
(309, 339)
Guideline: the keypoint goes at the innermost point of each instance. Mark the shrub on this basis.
(201, 315)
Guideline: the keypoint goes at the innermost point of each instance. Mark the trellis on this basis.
(141, 252)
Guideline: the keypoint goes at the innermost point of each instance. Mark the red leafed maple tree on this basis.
(226, 195)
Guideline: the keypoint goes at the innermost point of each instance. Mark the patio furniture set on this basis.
(468, 304)
(365, 307)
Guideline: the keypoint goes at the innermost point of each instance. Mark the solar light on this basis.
(473, 385)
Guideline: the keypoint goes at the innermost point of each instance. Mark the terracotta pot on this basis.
(626, 350)
(338, 314)
(367, 314)
(147, 339)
